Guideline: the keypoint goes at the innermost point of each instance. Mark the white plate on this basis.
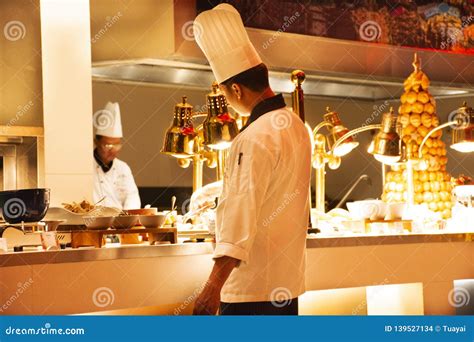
(56, 213)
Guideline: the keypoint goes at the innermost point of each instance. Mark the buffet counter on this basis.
(142, 279)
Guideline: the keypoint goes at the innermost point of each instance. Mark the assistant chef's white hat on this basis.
(107, 121)
(221, 35)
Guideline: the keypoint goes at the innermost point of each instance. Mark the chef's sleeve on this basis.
(248, 174)
(132, 200)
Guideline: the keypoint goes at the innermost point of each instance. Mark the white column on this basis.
(67, 99)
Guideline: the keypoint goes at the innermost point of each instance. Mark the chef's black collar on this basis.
(265, 106)
(103, 166)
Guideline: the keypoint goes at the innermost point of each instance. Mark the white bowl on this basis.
(368, 209)
(57, 213)
(98, 222)
(395, 211)
(464, 190)
(153, 221)
(125, 221)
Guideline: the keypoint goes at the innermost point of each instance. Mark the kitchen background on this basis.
(157, 30)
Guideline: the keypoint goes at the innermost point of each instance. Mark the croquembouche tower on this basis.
(431, 182)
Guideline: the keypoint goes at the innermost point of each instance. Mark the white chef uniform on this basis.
(117, 184)
(262, 216)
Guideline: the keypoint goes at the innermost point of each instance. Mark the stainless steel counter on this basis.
(142, 279)
(371, 240)
(189, 249)
(105, 253)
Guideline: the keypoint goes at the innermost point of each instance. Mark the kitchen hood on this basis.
(334, 68)
(196, 76)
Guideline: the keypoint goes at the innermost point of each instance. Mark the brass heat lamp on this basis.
(219, 127)
(180, 136)
(387, 145)
(336, 131)
(321, 157)
(184, 142)
(205, 143)
(462, 136)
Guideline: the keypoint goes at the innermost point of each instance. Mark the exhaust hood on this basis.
(195, 76)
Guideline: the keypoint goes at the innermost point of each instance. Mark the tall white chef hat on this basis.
(107, 121)
(221, 35)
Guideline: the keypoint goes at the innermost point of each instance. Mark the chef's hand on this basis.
(208, 301)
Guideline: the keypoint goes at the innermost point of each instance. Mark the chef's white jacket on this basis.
(117, 185)
(262, 216)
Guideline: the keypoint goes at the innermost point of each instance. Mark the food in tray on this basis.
(372, 25)
(406, 27)
(142, 211)
(444, 31)
(463, 180)
(79, 208)
(77, 218)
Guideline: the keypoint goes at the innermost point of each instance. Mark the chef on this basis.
(262, 216)
(113, 178)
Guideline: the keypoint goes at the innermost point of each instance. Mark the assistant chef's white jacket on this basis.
(262, 216)
(117, 185)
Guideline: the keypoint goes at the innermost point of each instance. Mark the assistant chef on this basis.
(113, 179)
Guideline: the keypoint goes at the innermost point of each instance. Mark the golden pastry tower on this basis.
(431, 182)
